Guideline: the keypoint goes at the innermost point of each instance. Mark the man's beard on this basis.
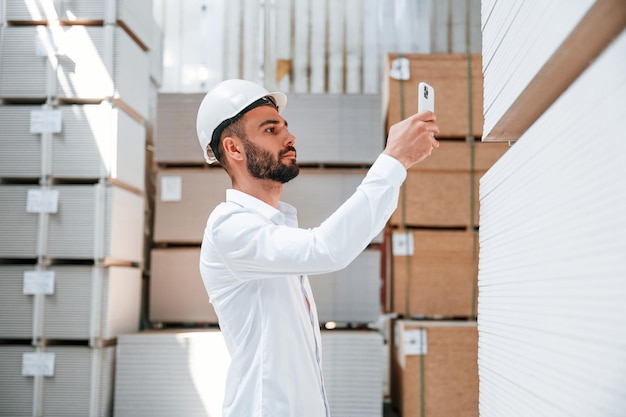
(263, 165)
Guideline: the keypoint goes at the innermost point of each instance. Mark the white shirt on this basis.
(254, 261)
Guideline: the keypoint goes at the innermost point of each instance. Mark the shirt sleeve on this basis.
(253, 247)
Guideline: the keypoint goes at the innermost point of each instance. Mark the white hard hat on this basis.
(225, 103)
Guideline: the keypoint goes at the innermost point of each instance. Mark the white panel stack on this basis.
(175, 134)
(167, 372)
(351, 295)
(94, 140)
(75, 381)
(128, 13)
(336, 128)
(552, 266)
(90, 222)
(81, 67)
(353, 372)
(170, 373)
(532, 50)
(82, 302)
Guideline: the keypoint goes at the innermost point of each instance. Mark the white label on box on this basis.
(415, 342)
(38, 282)
(402, 244)
(45, 121)
(171, 188)
(38, 363)
(42, 201)
(400, 69)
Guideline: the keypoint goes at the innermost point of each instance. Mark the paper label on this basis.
(42, 201)
(400, 69)
(38, 282)
(415, 342)
(38, 363)
(171, 188)
(45, 121)
(402, 244)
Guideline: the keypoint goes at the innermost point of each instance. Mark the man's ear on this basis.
(233, 148)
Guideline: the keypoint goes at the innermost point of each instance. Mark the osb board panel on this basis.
(434, 199)
(437, 191)
(448, 373)
(448, 74)
(442, 275)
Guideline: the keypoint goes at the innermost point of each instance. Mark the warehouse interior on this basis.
(496, 288)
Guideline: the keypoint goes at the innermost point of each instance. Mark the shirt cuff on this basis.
(389, 167)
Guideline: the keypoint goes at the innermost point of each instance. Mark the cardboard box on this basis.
(438, 190)
(439, 276)
(448, 74)
(434, 370)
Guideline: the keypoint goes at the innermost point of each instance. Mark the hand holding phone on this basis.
(426, 97)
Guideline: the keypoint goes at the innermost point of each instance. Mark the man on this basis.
(255, 260)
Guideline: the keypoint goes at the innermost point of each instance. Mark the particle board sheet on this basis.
(94, 141)
(434, 369)
(177, 294)
(438, 277)
(532, 51)
(442, 190)
(336, 128)
(86, 302)
(352, 362)
(552, 269)
(162, 373)
(81, 382)
(91, 63)
(91, 221)
(175, 137)
(351, 295)
(455, 77)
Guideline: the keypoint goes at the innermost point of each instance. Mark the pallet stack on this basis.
(74, 91)
(434, 240)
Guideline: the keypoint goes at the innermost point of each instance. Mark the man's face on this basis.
(270, 153)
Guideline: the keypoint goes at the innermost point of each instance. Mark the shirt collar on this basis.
(284, 214)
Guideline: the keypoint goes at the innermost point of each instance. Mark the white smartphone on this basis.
(426, 97)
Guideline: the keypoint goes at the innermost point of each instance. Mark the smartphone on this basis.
(426, 97)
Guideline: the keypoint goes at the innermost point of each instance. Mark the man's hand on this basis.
(412, 140)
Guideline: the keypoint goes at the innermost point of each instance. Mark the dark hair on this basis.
(217, 133)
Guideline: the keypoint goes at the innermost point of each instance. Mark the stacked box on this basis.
(186, 196)
(438, 279)
(69, 302)
(457, 116)
(434, 368)
(74, 95)
(56, 381)
(442, 190)
(434, 236)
